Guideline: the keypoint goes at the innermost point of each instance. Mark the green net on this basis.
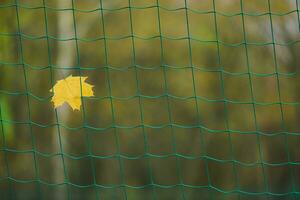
(193, 99)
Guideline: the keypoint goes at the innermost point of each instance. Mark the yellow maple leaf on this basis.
(70, 90)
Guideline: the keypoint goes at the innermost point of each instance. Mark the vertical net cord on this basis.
(87, 138)
(5, 154)
(20, 46)
(52, 84)
(252, 96)
(280, 100)
(174, 146)
(162, 52)
(203, 143)
(298, 16)
(117, 139)
(145, 137)
(202, 138)
(168, 101)
(107, 73)
(225, 100)
(59, 131)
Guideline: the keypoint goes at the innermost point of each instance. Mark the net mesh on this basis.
(193, 99)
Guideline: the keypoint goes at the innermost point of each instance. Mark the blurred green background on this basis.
(193, 99)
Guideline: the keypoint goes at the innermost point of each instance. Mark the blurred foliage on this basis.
(240, 133)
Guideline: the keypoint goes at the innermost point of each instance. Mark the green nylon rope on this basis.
(214, 191)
